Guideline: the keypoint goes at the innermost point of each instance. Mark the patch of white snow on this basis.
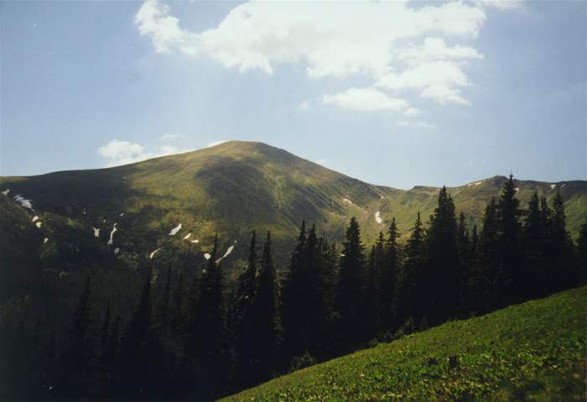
(347, 201)
(117, 250)
(114, 230)
(96, 232)
(207, 256)
(226, 254)
(552, 186)
(378, 217)
(175, 230)
(195, 241)
(121, 214)
(23, 202)
(478, 183)
(39, 224)
(153, 253)
(35, 218)
(5, 192)
(45, 240)
(187, 236)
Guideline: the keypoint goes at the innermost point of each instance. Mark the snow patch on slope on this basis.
(175, 230)
(378, 218)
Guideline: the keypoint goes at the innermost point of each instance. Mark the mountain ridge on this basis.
(237, 187)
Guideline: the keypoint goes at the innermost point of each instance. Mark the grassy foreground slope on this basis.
(532, 351)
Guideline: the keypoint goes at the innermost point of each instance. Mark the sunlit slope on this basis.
(533, 351)
(238, 186)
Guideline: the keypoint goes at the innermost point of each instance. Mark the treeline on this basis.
(206, 336)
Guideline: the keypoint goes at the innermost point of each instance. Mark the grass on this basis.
(238, 186)
(534, 351)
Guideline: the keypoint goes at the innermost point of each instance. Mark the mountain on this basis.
(230, 189)
(532, 351)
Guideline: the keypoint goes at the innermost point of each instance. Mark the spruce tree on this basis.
(390, 268)
(267, 330)
(242, 315)
(137, 351)
(464, 250)
(211, 326)
(536, 234)
(328, 274)
(294, 299)
(351, 287)
(410, 299)
(511, 285)
(440, 283)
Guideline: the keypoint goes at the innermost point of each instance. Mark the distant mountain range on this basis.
(229, 189)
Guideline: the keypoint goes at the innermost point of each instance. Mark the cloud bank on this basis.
(411, 52)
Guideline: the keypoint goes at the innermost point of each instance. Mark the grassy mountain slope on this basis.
(234, 188)
(533, 351)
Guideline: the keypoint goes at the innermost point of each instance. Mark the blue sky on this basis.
(396, 93)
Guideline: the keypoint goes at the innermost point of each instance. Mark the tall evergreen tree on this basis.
(351, 286)
(410, 300)
(138, 351)
(212, 342)
(326, 311)
(294, 299)
(390, 268)
(267, 330)
(242, 315)
(510, 280)
(536, 235)
(440, 283)
(489, 253)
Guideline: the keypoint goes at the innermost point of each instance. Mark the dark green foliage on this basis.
(80, 356)
(217, 335)
(390, 269)
(351, 287)
(410, 299)
(440, 283)
(266, 318)
(510, 282)
(211, 326)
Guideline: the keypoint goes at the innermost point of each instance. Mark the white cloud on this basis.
(434, 49)
(502, 4)
(415, 124)
(365, 100)
(122, 152)
(398, 45)
(119, 153)
(305, 105)
(440, 81)
(154, 21)
(215, 143)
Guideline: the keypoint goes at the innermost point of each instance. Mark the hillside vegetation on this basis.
(236, 187)
(532, 351)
